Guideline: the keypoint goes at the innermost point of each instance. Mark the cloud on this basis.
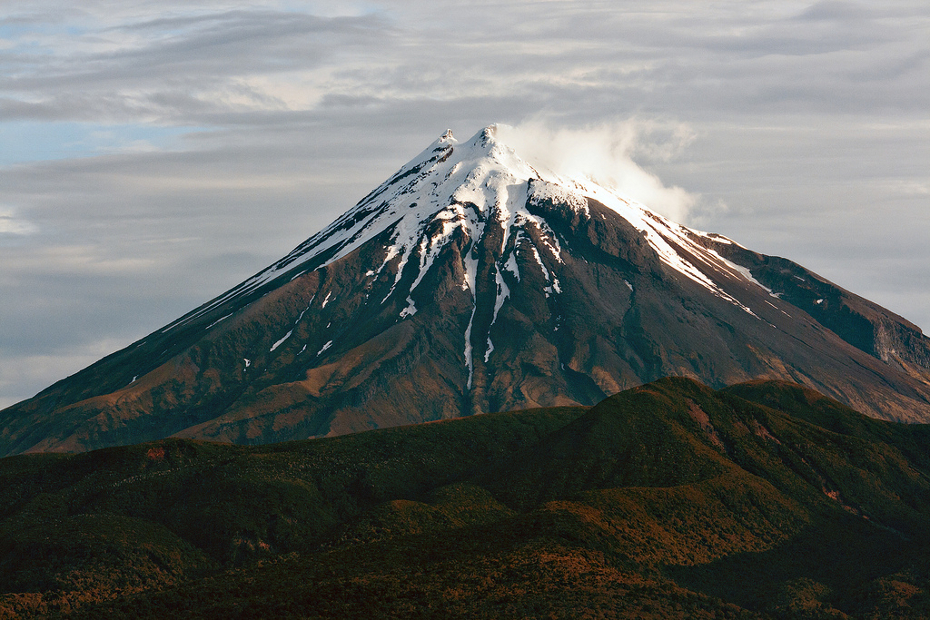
(11, 224)
(605, 154)
(833, 10)
(177, 69)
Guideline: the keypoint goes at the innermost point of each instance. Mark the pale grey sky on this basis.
(154, 154)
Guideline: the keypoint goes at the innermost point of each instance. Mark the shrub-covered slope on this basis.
(669, 500)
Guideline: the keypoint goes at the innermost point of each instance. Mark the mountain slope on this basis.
(670, 500)
(470, 282)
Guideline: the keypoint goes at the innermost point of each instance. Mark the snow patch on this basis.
(552, 192)
(503, 292)
(410, 310)
(469, 362)
(223, 318)
(551, 280)
(470, 264)
(511, 264)
(280, 342)
(743, 271)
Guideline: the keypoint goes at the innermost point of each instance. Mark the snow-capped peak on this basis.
(468, 186)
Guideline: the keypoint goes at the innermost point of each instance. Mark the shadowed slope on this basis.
(657, 502)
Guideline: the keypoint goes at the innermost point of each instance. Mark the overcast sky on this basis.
(154, 154)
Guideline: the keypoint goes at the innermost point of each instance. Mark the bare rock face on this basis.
(471, 282)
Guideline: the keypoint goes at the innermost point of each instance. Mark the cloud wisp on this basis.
(605, 154)
(11, 224)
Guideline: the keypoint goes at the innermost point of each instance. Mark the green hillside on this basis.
(762, 500)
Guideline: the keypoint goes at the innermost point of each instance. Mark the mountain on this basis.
(669, 500)
(469, 282)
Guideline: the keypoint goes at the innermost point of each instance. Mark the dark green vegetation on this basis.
(763, 500)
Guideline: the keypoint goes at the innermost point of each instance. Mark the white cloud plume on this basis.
(606, 153)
